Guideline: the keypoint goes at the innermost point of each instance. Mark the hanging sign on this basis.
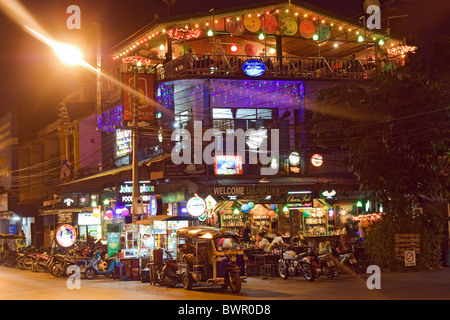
(299, 199)
(294, 163)
(254, 67)
(196, 206)
(66, 235)
(153, 206)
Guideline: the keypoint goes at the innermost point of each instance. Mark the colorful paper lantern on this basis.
(271, 213)
(250, 49)
(125, 212)
(109, 214)
(245, 207)
(273, 206)
(251, 205)
(306, 213)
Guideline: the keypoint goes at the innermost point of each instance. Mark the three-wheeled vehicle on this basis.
(210, 255)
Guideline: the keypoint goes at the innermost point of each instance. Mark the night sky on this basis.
(33, 79)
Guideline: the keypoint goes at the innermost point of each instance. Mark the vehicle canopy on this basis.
(204, 232)
(222, 239)
(12, 242)
(9, 236)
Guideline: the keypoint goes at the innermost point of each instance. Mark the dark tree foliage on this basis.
(397, 137)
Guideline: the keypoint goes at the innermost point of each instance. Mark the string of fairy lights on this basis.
(289, 21)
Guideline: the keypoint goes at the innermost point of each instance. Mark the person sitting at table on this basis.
(344, 245)
(324, 246)
(261, 242)
(278, 239)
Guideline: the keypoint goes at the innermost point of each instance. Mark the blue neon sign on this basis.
(254, 67)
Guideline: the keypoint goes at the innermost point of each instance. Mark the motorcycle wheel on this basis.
(283, 271)
(57, 270)
(329, 272)
(187, 280)
(170, 279)
(20, 263)
(27, 263)
(90, 273)
(40, 267)
(235, 282)
(308, 272)
(10, 263)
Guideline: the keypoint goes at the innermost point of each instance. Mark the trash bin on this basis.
(446, 258)
(145, 275)
(158, 255)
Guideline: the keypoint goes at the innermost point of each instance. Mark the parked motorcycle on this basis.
(25, 256)
(168, 273)
(99, 265)
(41, 262)
(9, 258)
(345, 263)
(290, 263)
(315, 265)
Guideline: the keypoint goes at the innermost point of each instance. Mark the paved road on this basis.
(25, 285)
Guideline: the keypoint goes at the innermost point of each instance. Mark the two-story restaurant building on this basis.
(252, 72)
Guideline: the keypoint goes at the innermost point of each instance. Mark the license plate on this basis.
(352, 260)
(330, 263)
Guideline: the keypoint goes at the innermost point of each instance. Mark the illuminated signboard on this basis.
(254, 67)
(66, 235)
(125, 190)
(228, 165)
(317, 160)
(196, 206)
(85, 219)
(123, 142)
(299, 199)
(294, 163)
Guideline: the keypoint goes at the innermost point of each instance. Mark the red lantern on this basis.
(109, 214)
(271, 213)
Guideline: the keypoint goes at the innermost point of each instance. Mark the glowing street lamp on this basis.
(68, 54)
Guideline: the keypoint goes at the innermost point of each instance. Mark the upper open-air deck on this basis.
(294, 41)
(232, 66)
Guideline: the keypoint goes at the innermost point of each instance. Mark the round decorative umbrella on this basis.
(288, 25)
(235, 26)
(252, 23)
(269, 23)
(324, 32)
(307, 29)
(250, 49)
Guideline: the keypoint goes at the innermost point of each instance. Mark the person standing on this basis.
(247, 233)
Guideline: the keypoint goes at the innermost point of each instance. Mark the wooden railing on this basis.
(284, 67)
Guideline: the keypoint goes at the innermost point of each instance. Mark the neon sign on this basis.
(254, 67)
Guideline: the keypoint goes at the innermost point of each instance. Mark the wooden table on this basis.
(125, 261)
(266, 258)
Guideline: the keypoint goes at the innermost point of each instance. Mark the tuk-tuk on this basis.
(210, 255)
(11, 242)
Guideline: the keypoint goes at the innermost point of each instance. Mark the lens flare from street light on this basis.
(68, 54)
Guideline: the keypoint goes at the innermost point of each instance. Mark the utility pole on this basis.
(135, 161)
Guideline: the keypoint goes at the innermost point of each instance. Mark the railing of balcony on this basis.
(276, 67)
